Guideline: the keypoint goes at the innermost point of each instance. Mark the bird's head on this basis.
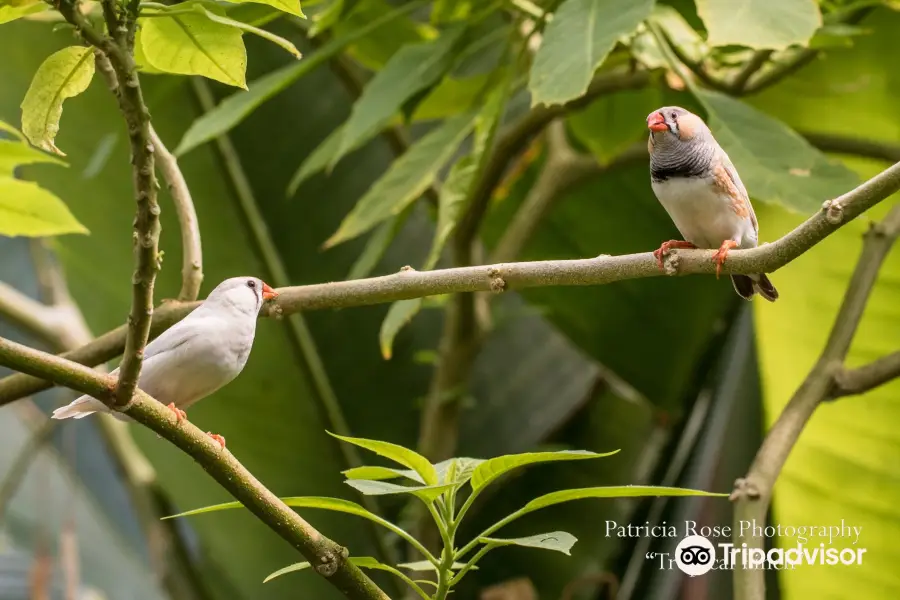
(245, 294)
(672, 126)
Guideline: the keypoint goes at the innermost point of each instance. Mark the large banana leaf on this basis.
(845, 465)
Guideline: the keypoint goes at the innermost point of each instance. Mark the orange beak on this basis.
(656, 122)
(268, 293)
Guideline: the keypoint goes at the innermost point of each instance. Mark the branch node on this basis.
(331, 561)
(834, 211)
(744, 489)
(405, 268)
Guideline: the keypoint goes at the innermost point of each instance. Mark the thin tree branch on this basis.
(851, 382)
(191, 248)
(146, 222)
(328, 558)
(753, 493)
(508, 276)
(840, 144)
(750, 68)
(515, 137)
(563, 170)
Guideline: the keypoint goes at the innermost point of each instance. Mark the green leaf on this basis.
(7, 128)
(406, 179)
(400, 313)
(29, 210)
(292, 7)
(266, 35)
(411, 69)
(11, 13)
(491, 469)
(759, 23)
(620, 491)
(380, 473)
(576, 42)
(377, 47)
(382, 488)
(775, 163)
(376, 246)
(613, 123)
(424, 565)
(237, 107)
(363, 562)
(644, 46)
(63, 75)
(191, 44)
(404, 456)
(326, 18)
(457, 470)
(367, 562)
(450, 97)
(559, 541)
(13, 154)
(285, 570)
(317, 160)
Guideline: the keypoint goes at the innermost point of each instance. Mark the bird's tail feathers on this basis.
(747, 285)
(79, 408)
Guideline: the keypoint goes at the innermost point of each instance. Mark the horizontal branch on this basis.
(328, 557)
(409, 283)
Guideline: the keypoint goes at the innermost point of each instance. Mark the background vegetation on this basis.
(381, 148)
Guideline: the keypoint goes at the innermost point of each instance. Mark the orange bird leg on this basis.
(217, 438)
(666, 246)
(180, 415)
(722, 253)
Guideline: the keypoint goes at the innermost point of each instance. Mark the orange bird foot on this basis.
(180, 415)
(217, 438)
(666, 246)
(722, 253)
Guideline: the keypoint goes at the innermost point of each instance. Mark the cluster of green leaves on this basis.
(26, 208)
(192, 38)
(448, 490)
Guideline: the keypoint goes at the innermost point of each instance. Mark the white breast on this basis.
(704, 216)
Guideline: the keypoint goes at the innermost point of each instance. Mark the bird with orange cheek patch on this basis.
(697, 184)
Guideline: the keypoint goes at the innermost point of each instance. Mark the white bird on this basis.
(198, 355)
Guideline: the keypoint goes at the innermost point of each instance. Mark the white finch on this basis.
(198, 355)
(697, 184)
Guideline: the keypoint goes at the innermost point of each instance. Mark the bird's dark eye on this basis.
(674, 116)
(251, 284)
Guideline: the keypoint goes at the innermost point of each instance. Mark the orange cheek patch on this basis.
(688, 125)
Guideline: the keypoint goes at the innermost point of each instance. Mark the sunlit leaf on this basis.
(404, 456)
(285, 570)
(13, 154)
(559, 541)
(406, 179)
(774, 163)
(29, 210)
(291, 7)
(450, 97)
(237, 107)
(11, 13)
(191, 44)
(63, 75)
(457, 470)
(491, 469)
(266, 35)
(759, 23)
(576, 42)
